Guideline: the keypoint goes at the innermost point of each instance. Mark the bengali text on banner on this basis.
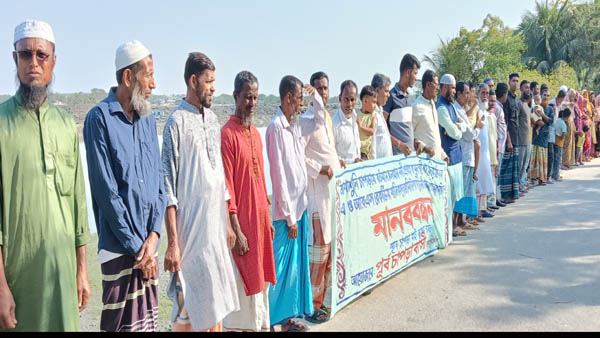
(387, 215)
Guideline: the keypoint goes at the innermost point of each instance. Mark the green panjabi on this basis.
(43, 214)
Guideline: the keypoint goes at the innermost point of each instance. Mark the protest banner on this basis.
(387, 215)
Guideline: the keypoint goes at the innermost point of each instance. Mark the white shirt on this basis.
(425, 126)
(347, 138)
(285, 149)
(382, 142)
(470, 134)
(501, 127)
(317, 130)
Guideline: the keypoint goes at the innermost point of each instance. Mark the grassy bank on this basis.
(90, 317)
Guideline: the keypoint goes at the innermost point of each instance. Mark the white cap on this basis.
(34, 29)
(564, 88)
(130, 53)
(448, 79)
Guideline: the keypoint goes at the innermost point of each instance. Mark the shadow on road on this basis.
(544, 251)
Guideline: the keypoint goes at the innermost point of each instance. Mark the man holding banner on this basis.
(399, 108)
(451, 130)
(425, 119)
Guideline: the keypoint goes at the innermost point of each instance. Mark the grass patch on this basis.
(90, 317)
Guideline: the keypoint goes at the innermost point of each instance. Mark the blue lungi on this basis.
(291, 297)
(468, 204)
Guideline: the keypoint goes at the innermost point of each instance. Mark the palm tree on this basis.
(548, 34)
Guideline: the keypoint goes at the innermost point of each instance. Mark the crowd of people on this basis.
(235, 264)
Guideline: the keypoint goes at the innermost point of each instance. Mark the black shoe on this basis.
(500, 204)
(493, 207)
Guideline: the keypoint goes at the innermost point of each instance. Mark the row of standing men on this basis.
(231, 266)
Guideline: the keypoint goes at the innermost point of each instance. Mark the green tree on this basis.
(502, 49)
(549, 34)
(459, 56)
(488, 51)
(586, 45)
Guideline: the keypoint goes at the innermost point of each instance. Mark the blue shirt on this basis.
(399, 108)
(126, 178)
(541, 139)
(451, 146)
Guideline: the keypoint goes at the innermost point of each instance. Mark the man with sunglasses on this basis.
(43, 216)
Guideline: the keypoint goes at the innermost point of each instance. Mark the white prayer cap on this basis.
(564, 88)
(34, 29)
(130, 53)
(448, 79)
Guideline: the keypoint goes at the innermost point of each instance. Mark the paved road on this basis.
(534, 267)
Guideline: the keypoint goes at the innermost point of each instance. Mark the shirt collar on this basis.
(400, 93)
(282, 118)
(184, 105)
(114, 107)
(422, 98)
(43, 108)
(345, 120)
(238, 121)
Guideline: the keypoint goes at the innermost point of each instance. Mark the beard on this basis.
(139, 102)
(247, 120)
(449, 97)
(32, 96)
(204, 100)
(295, 118)
(485, 105)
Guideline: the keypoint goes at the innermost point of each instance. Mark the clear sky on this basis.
(347, 39)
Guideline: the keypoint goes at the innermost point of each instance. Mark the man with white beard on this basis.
(128, 198)
(485, 183)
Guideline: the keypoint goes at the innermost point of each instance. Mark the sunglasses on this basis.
(27, 55)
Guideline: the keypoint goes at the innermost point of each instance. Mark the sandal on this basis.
(486, 214)
(470, 227)
(319, 317)
(294, 326)
(458, 232)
